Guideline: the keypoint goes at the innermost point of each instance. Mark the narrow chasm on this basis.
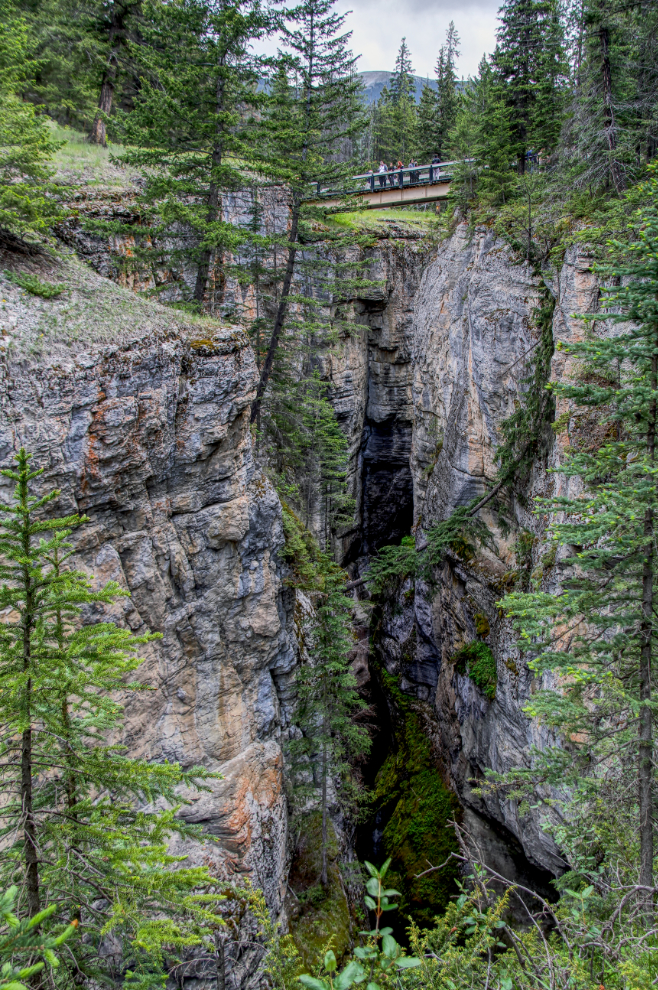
(388, 496)
(412, 805)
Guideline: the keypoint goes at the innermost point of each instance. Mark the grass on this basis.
(79, 161)
(92, 310)
(372, 220)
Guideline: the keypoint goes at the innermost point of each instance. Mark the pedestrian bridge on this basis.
(419, 184)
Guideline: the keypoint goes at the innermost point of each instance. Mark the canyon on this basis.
(139, 415)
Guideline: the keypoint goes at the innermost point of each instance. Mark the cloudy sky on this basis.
(378, 25)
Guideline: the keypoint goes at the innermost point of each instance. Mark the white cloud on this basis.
(378, 26)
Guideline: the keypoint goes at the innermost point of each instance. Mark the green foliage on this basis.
(601, 701)
(410, 792)
(23, 941)
(459, 534)
(79, 803)
(524, 432)
(394, 116)
(324, 911)
(34, 285)
(327, 707)
(478, 662)
(381, 964)
(187, 129)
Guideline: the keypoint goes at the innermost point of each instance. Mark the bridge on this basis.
(404, 186)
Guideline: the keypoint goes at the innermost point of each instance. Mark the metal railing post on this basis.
(372, 182)
(401, 178)
(431, 174)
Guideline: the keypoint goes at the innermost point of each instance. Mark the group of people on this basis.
(390, 171)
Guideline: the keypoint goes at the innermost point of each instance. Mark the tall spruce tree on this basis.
(531, 71)
(314, 106)
(395, 117)
(189, 126)
(597, 635)
(75, 831)
(322, 760)
(28, 196)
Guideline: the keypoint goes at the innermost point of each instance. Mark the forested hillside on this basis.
(327, 535)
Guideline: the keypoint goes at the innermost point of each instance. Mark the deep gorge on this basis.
(144, 426)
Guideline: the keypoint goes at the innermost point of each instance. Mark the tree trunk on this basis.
(116, 34)
(268, 363)
(220, 960)
(645, 767)
(325, 873)
(214, 199)
(29, 824)
(610, 126)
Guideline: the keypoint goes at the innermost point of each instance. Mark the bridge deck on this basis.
(415, 184)
(391, 197)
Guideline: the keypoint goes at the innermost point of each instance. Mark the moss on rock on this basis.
(322, 913)
(478, 662)
(411, 793)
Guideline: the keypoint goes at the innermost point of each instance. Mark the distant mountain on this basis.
(374, 83)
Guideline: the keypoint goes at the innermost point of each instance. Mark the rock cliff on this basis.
(142, 421)
(440, 364)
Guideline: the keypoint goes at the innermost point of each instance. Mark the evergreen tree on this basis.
(614, 108)
(314, 106)
(531, 71)
(428, 125)
(190, 124)
(597, 635)
(395, 119)
(28, 200)
(447, 95)
(326, 708)
(72, 832)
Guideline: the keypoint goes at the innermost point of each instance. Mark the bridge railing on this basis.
(399, 178)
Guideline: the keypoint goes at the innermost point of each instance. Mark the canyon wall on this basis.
(141, 420)
(440, 364)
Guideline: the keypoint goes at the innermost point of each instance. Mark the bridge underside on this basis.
(422, 193)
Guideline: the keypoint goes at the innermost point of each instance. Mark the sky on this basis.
(378, 26)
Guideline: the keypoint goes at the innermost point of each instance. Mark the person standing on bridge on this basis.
(382, 174)
(391, 177)
(413, 176)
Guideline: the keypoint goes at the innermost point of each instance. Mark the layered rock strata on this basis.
(148, 435)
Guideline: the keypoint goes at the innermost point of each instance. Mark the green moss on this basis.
(322, 913)
(410, 789)
(482, 626)
(301, 551)
(478, 662)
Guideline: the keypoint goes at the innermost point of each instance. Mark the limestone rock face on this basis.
(150, 438)
(440, 366)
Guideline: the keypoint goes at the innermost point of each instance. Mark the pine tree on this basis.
(395, 129)
(597, 635)
(428, 125)
(71, 825)
(314, 106)
(447, 95)
(531, 71)
(28, 196)
(326, 708)
(190, 123)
